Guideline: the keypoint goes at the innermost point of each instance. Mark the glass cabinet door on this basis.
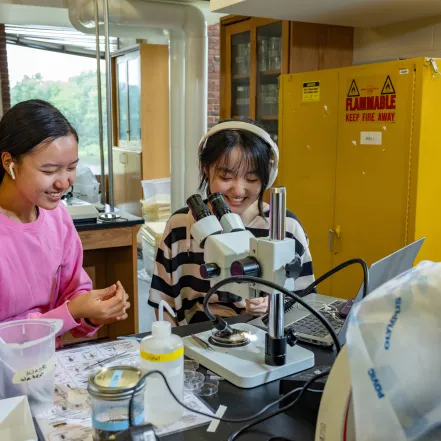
(269, 67)
(129, 101)
(123, 127)
(240, 74)
(134, 92)
(256, 53)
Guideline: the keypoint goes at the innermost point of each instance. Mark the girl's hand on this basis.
(101, 306)
(257, 306)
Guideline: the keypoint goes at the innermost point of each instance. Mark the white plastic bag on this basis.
(86, 187)
(394, 346)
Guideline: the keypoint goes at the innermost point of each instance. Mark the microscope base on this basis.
(245, 366)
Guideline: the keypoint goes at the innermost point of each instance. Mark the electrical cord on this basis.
(219, 321)
(225, 420)
(317, 304)
(289, 305)
(236, 434)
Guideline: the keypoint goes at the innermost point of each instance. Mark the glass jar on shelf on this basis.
(263, 53)
(241, 58)
(242, 100)
(247, 52)
(273, 99)
(239, 62)
(274, 53)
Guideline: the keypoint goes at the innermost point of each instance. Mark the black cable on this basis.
(283, 290)
(234, 436)
(310, 288)
(225, 420)
(289, 305)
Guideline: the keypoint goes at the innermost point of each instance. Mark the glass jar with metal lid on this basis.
(110, 389)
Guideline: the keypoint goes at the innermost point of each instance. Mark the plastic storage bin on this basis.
(151, 234)
(156, 202)
(157, 189)
(86, 187)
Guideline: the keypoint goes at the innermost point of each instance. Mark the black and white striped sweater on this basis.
(177, 280)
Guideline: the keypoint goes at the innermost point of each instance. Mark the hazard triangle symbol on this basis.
(388, 88)
(353, 90)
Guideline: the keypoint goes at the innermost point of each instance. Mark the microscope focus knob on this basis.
(209, 270)
(293, 268)
(249, 266)
(291, 338)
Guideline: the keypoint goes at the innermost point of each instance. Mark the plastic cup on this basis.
(27, 361)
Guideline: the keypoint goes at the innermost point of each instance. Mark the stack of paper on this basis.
(70, 417)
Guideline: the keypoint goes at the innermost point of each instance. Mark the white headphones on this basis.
(242, 125)
(11, 170)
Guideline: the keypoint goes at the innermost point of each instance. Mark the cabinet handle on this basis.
(331, 240)
(123, 158)
(331, 234)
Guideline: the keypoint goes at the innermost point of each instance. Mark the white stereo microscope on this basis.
(244, 354)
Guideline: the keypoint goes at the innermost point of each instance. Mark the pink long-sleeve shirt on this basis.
(41, 270)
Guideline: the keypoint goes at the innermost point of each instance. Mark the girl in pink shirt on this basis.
(41, 256)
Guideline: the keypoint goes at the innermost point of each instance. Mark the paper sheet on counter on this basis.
(69, 419)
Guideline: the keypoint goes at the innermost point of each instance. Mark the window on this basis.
(66, 80)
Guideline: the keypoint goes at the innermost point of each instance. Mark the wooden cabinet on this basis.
(127, 176)
(140, 121)
(255, 51)
(110, 254)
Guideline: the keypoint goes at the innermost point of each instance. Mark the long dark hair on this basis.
(27, 125)
(255, 152)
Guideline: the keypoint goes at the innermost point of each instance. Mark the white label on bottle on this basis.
(35, 373)
(162, 358)
(371, 138)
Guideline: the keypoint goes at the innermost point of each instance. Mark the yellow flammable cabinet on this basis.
(360, 155)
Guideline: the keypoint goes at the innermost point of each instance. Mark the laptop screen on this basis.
(384, 270)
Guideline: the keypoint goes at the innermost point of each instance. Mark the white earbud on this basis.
(11, 169)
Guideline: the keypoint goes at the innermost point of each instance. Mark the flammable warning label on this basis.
(371, 99)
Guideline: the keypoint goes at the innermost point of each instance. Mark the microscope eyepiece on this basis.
(197, 207)
(218, 205)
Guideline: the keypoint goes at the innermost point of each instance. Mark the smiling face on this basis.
(235, 177)
(47, 171)
(236, 163)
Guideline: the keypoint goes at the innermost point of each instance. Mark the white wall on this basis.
(419, 38)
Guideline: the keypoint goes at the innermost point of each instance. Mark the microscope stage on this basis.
(245, 366)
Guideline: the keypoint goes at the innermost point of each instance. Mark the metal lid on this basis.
(115, 382)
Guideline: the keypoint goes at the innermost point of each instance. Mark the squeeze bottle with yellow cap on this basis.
(164, 352)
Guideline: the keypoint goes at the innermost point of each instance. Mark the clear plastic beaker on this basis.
(27, 361)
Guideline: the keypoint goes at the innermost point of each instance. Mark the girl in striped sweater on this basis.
(240, 160)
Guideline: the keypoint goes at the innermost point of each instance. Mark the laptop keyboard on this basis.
(311, 325)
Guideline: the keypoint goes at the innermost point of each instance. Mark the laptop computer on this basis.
(309, 329)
